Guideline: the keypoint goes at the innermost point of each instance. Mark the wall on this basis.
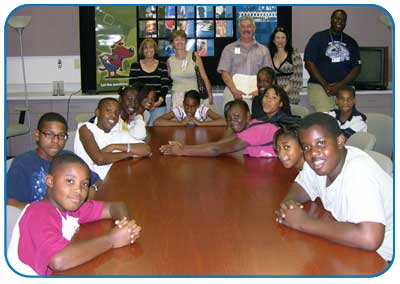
(53, 31)
(54, 34)
(362, 24)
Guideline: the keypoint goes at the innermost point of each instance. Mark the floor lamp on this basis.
(19, 23)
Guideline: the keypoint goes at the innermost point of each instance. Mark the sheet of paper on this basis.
(245, 83)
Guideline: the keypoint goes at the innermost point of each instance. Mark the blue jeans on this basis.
(155, 113)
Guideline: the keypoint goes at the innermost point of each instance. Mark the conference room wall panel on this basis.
(54, 33)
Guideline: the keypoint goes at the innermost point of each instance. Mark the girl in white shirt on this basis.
(192, 113)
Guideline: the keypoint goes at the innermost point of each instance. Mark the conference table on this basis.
(212, 216)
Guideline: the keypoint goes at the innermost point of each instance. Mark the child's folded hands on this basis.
(125, 232)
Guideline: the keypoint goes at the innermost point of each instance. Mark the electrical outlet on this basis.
(59, 64)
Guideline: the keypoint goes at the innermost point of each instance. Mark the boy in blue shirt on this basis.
(26, 176)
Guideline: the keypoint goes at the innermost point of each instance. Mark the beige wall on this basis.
(362, 24)
(54, 31)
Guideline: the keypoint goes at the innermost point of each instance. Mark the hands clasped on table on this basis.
(172, 148)
(125, 232)
(291, 214)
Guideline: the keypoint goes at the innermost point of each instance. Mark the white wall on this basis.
(41, 71)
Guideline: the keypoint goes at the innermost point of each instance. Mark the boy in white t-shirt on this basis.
(99, 146)
(350, 184)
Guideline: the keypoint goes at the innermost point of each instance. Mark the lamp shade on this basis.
(18, 22)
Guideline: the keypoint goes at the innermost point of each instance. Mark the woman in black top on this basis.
(152, 73)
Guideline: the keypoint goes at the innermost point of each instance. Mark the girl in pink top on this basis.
(254, 137)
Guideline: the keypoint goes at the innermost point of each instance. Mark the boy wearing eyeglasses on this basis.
(26, 176)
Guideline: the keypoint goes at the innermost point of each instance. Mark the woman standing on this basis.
(287, 63)
(153, 73)
(181, 70)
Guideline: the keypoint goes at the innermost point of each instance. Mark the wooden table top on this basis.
(212, 216)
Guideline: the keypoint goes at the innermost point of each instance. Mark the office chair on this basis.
(13, 214)
(383, 161)
(69, 145)
(83, 117)
(380, 125)
(299, 110)
(362, 140)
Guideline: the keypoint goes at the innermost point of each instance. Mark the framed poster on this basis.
(116, 45)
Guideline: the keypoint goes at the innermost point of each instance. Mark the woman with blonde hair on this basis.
(153, 73)
(181, 67)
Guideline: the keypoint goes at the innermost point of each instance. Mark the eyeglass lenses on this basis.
(51, 135)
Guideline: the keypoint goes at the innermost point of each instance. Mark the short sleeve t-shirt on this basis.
(362, 192)
(259, 135)
(26, 177)
(335, 55)
(43, 230)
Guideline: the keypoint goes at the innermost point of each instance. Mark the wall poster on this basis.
(116, 45)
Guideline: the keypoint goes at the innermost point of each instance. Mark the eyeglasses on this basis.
(51, 135)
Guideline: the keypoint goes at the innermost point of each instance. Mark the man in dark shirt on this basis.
(332, 58)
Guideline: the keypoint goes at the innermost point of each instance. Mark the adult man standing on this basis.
(245, 56)
(332, 58)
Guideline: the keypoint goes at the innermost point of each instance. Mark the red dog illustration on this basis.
(114, 61)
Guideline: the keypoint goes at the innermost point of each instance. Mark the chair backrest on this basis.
(13, 214)
(8, 164)
(384, 161)
(69, 145)
(299, 110)
(83, 117)
(362, 140)
(381, 126)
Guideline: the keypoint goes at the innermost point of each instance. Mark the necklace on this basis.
(149, 65)
(341, 37)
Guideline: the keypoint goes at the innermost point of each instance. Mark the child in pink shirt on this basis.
(252, 136)
(41, 240)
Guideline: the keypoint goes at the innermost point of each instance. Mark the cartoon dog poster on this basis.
(116, 46)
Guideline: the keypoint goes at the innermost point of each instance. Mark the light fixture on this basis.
(19, 23)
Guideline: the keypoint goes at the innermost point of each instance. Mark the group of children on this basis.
(350, 184)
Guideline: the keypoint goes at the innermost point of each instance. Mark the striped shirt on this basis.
(357, 122)
(158, 79)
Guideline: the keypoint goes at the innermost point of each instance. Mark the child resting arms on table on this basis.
(351, 185)
(192, 113)
(99, 146)
(253, 136)
(41, 240)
